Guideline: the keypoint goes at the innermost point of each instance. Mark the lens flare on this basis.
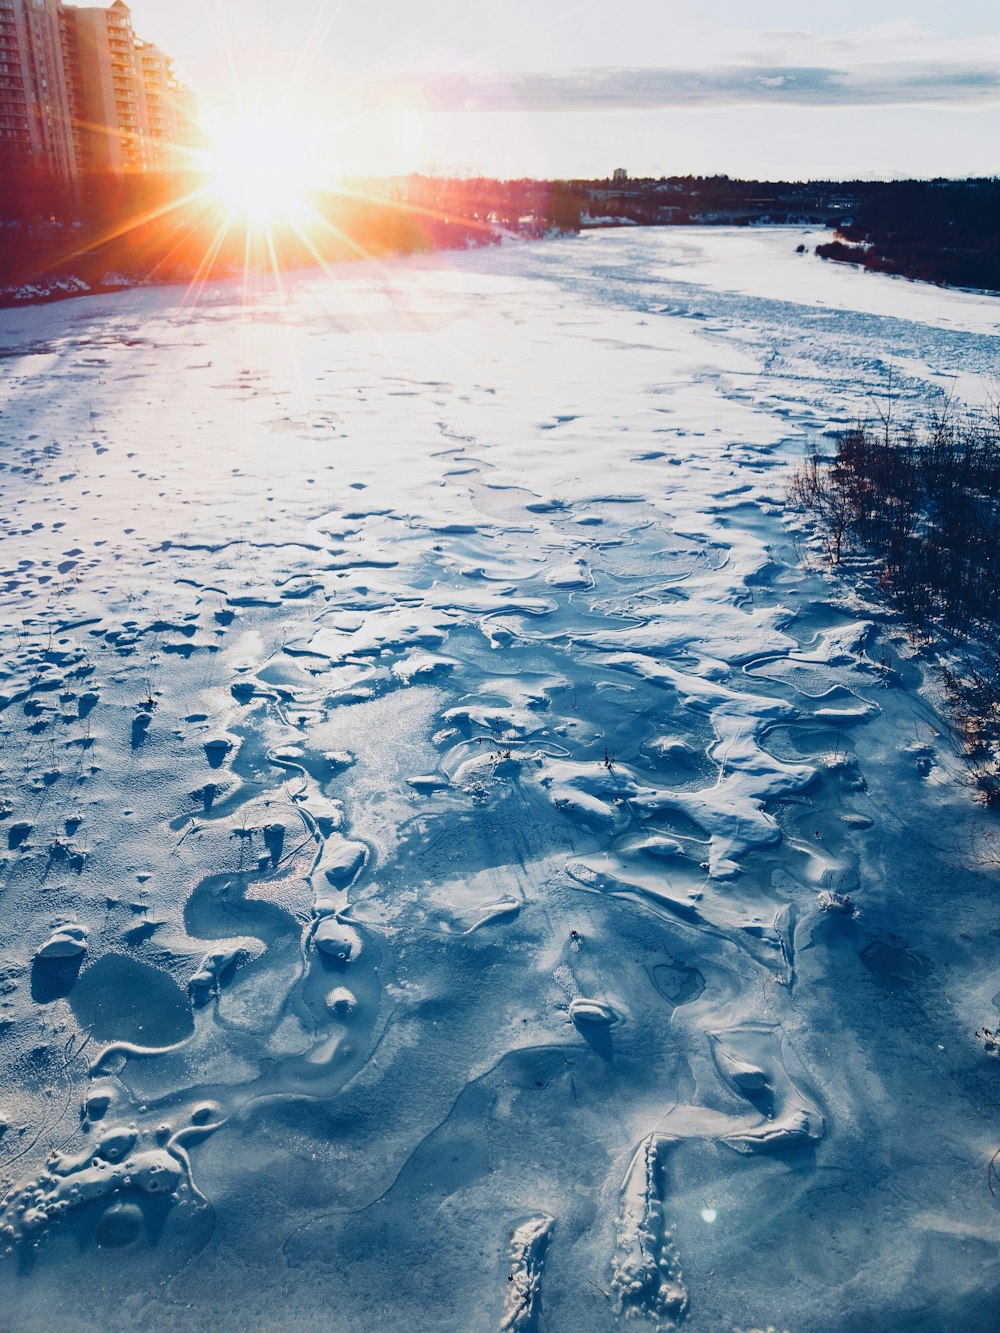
(262, 168)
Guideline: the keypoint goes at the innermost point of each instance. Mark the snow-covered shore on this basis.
(432, 785)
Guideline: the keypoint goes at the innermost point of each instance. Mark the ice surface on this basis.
(463, 867)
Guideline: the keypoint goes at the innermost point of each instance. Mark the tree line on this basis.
(943, 231)
(164, 228)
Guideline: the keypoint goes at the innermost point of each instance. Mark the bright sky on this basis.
(577, 87)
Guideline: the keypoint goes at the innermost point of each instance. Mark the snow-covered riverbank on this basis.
(432, 789)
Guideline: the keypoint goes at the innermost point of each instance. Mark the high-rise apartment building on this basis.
(108, 107)
(80, 93)
(35, 118)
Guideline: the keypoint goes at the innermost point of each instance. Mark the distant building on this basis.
(170, 110)
(619, 174)
(80, 93)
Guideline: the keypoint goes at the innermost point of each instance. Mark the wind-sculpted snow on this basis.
(463, 866)
(527, 1258)
(647, 1273)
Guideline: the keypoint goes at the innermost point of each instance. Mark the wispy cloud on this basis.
(897, 83)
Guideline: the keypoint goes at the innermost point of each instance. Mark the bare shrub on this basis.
(924, 507)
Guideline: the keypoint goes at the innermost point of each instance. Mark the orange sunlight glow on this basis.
(263, 192)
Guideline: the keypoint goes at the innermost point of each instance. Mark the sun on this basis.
(263, 168)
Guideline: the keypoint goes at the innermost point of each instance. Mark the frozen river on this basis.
(428, 747)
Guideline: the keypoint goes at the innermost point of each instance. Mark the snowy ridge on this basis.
(647, 1275)
(527, 1260)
